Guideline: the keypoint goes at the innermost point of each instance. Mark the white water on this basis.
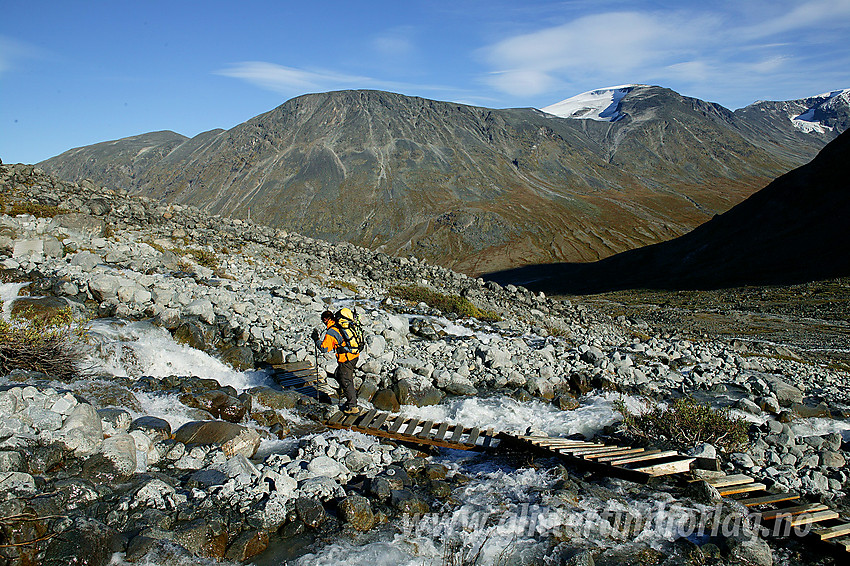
(8, 294)
(139, 349)
(509, 415)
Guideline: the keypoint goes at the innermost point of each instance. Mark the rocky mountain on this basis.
(791, 231)
(472, 188)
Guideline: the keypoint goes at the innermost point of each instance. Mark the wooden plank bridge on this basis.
(779, 512)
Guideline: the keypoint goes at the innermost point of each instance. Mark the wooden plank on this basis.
(441, 431)
(600, 450)
(411, 427)
(367, 418)
(665, 469)
(809, 518)
(379, 420)
(726, 481)
(399, 420)
(336, 417)
(426, 429)
(640, 451)
(458, 431)
(772, 514)
(488, 438)
(613, 455)
(766, 499)
(349, 419)
(833, 532)
(743, 488)
(473, 437)
(546, 441)
(643, 457)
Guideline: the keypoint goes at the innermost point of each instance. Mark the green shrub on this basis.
(34, 208)
(45, 343)
(445, 303)
(684, 423)
(343, 285)
(205, 258)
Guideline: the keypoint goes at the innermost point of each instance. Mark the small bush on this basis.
(34, 208)
(343, 285)
(205, 258)
(48, 344)
(445, 303)
(685, 423)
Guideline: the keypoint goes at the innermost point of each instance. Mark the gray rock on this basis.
(321, 487)
(232, 438)
(12, 461)
(114, 421)
(748, 548)
(207, 478)
(18, 483)
(82, 430)
(786, 393)
(121, 451)
(748, 406)
(154, 428)
(833, 441)
(834, 460)
(324, 466)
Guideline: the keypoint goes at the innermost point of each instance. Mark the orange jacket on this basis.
(334, 340)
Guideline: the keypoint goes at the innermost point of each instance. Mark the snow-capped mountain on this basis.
(820, 109)
(602, 104)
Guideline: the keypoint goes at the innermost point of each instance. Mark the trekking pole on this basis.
(316, 350)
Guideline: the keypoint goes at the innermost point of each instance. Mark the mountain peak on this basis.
(602, 104)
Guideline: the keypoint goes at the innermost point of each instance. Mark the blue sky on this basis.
(74, 73)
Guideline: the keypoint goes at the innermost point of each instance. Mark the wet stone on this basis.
(153, 427)
(310, 511)
(357, 512)
(204, 479)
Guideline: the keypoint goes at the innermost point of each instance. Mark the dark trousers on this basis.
(345, 376)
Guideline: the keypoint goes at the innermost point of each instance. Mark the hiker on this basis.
(339, 340)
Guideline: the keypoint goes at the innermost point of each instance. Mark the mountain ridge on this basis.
(471, 188)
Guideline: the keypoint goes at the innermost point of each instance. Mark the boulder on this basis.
(87, 543)
(785, 393)
(121, 451)
(232, 438)
(274, 398)
(357, 512)
(82, 431)
(386, 400)
(153, 427)
(247, 545)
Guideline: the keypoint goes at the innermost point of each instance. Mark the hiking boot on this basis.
(351, 410)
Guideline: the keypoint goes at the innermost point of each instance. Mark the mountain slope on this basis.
(472, 188)
(794, 230)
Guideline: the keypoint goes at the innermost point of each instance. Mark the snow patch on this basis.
(602, 105)
(806, 121)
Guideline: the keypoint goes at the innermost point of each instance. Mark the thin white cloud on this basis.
(13, 51)
(709, 52)
(293, 81)
(618, 42)
(808, 15)
(288, 79)
(395, 43)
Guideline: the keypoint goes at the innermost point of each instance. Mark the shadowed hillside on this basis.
(794, 230)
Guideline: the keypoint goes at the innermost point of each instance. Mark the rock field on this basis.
(83, 473)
